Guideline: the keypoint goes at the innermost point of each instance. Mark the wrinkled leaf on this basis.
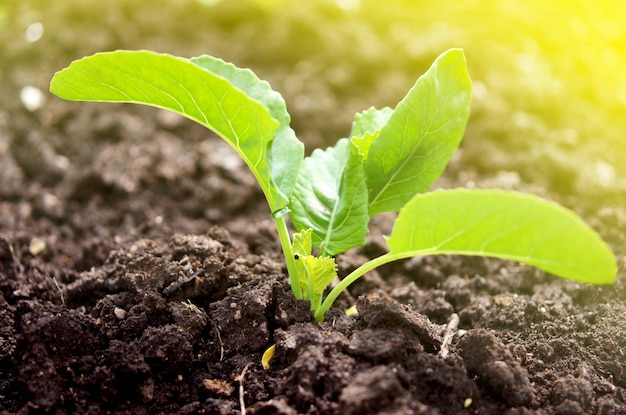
(302, 245)
(330, 197)
(314, 273)
(370, 121)
(425, 129)
(317, 272)
(502, 224)
(364, 143)
(366, 128)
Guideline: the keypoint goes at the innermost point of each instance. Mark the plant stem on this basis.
(349, 279)
(285, 242)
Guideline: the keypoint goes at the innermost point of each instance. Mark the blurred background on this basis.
(549, 76)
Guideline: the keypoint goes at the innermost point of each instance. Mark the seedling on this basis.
(389, 162)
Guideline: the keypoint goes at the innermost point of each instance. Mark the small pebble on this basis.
(36, 246)
(120, 313)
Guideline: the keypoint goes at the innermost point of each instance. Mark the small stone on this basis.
(120, 313)
(36, 246)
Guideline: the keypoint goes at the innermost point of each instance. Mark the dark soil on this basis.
(140, 273)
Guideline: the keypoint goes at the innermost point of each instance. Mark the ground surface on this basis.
(139, 272)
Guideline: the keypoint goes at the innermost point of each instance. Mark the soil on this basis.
(140, 273)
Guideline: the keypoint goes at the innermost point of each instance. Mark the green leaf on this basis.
(366, 128)
(330, 197)
(315, 274)
(364, 143)
(370, 121)
(181, 86)
(319, 272)
(422, 134)
(286, 151)
(302, 245)
(502, 224)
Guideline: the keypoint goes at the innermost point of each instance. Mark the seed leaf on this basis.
(184, 87)
(415, 145)
(502, 224)
(330, 197)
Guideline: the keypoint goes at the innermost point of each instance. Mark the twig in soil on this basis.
(60, 291)
(242, 404)
(18, 268)
(451, 329)
(219, 338)
(177, 284)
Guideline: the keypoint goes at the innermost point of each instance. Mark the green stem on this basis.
(316, 302)
(349, 279)
(285, 242)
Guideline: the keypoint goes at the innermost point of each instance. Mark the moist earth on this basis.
(140, 273)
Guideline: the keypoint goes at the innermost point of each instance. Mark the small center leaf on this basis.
(330, 197)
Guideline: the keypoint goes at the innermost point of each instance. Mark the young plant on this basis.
(389, 162)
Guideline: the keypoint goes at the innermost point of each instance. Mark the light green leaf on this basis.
(364, 143)
(422, 134)
(330, 197)
(502, 224)
(286, 151)
(314, 273)
(370, 121)
(302, 245)
(366, 128)
(319, 272)
(178, 85)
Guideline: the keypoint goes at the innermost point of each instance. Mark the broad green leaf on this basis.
(286, 151)
(370, 121)
(178, 85)
(502, 224)
(422, 134)
(330, 197)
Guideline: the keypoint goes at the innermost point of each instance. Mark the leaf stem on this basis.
(349, 279)
(285, 242)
